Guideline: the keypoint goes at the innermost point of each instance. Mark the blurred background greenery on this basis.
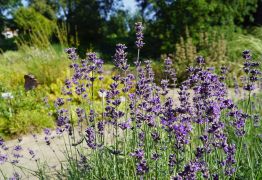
(100, 24)
(40, 30)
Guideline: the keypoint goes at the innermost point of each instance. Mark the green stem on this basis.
(156, 164)
(240, 144)
(2, 174)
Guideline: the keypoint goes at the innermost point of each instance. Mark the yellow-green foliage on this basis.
(184, 56)
(217, 51)
(29, 121)
(257, 32)
(212, 46)
(241, 42)
(30, 20)
(25, 112)
(38, 31)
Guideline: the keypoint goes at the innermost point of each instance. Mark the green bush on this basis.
(30, 20)
(27, 121)
(25, 112)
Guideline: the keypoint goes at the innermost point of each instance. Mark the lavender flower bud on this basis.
(90, 135)
(71, 52)
(142, 167)
(246, 54)
(3, 158)
(139, 154)
(200, 60)
(100, 127)
(155, 156)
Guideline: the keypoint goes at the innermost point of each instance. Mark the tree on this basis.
(48, 8)
(171, 18)
(258, 14)
(6, 6)
(87, 17)
(28, 20)
(145, 7)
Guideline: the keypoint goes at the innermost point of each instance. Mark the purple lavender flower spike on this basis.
(172, 161)
(125, 125)
(90, 137)
(15, 176)
(72, 54)
(18, 148)
(139, 35)
(141, 136)
(100, 127)
(139, 154)
(167, 65)
(164, 85)
(249, 87)
(47, 131)
(142, 167)
(200, 60)
(155, 156)
(252, 71)
(47, 140)
(62, 117)
(31, 152)
(120, 57)
(246, 55)
(59, 102)
(155, 136)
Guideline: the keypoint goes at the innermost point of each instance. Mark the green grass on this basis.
(251, 156)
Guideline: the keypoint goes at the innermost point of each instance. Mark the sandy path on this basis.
(55, 152)
(50, 154)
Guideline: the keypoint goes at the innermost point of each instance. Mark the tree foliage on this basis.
(29, 20)
(48, 8)
(101, 24)
(172, 18)
(6, 6)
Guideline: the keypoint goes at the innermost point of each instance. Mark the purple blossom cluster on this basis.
(90, 137)
(139, 35)
(252, 71)
(169, 70)
(141, 165)
(120, 57)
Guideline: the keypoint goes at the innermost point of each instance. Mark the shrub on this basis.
(28, 19)
(25, 112)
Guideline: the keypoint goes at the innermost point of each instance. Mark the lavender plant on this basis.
(142, 132)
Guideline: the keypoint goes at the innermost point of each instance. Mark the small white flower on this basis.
(7, 95)
(102, 94)
(122, 99)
